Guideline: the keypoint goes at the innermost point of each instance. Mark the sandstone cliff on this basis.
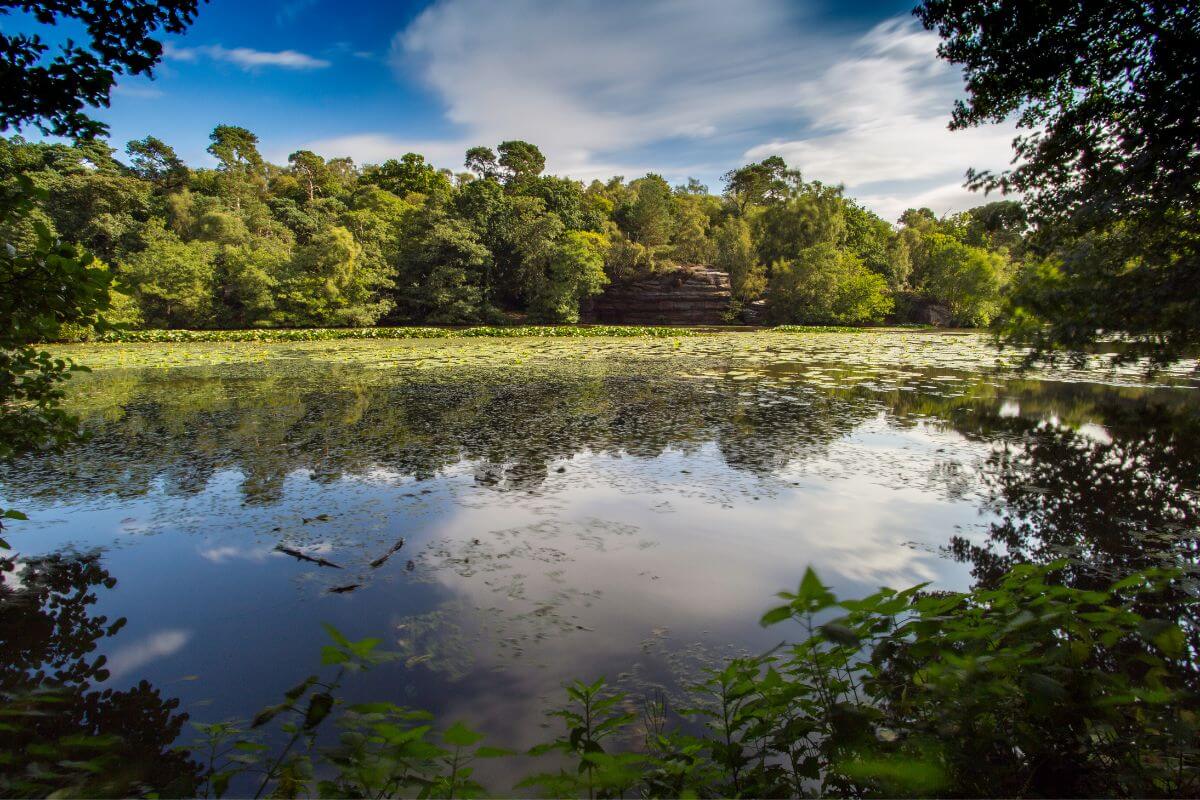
(686, 295)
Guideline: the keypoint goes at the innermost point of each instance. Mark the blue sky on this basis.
(848, 93)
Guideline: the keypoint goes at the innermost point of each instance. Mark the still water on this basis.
(510, 514)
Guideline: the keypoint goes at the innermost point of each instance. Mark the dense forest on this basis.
(322, 242)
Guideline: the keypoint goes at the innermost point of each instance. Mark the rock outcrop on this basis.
(686, 295)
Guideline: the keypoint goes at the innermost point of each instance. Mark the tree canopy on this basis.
(1107, 95)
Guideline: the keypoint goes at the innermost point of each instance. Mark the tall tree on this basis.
(1107, 93)
(46, 283)
(237, 150)
(520, 161)
(155, 161)
(312, 172)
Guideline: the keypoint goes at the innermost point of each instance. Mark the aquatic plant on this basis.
(325, 334)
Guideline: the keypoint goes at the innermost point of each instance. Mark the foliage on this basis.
(47, 286)
(824, 285)
(48, 283)
(735, 255)
(966, 279)
(1106, 96)
(322, 334)
(575, 271)
(51, 94)
(1028, 688)
(185, 243)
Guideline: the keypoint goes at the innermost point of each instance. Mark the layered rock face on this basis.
(687, 295)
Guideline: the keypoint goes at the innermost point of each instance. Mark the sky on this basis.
(849, 93)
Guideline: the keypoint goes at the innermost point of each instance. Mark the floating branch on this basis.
(379, 561)
(305, 557)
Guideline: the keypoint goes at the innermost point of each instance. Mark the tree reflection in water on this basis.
(57, 728)
(1111, 500)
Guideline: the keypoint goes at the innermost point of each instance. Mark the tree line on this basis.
(320, 242)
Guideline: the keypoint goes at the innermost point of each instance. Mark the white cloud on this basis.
(245, 57)
(691, 87)
(159, 645)
(942, 199)
(881, 115)
(373, 148)
(590, 81)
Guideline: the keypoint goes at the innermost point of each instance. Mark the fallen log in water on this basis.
(306, 557)
(379, 561)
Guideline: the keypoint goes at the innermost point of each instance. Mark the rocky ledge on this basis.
(686, 295)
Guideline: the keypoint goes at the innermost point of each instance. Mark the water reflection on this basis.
(1112, 495)
(60, 726)
(575, 518)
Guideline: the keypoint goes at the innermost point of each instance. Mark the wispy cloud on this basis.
(692, 87)
(158, 645)
(245, 57)
(879, 115)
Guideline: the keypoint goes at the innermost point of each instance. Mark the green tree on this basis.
(966, 279)
(520, 161)
(810, 215)
(874, 241)
(735, 254)
(442, 268)
(47, 285)
(156, 162)
(766, 182)
(241, 164)
(648, 216)
(824, 285)
(328, 284)
(1106, 95)
(573, 272)
(312, 173)
(410, 175)
(690, 243)
(248, 276)
(173, 280)
(482, 162)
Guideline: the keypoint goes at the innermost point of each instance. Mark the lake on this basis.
(508, 514)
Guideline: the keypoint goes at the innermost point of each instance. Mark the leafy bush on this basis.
(823, 285)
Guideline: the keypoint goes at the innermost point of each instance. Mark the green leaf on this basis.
(910, 776)
(493, 752)
(775, 616)
(319, 706)
(460, 735)
(336, 635)
(1165, 635)
(300, 688)
(267, 714)
(332, 655)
